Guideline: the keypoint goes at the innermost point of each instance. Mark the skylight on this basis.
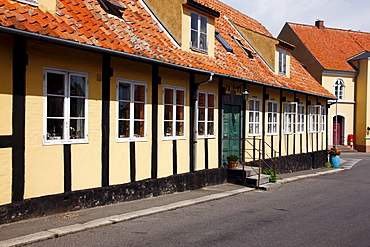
(249, 52)
(223, 42)
(112, 7)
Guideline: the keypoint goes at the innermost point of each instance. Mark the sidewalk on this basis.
(39, 229)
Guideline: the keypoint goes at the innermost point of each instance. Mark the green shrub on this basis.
(273, 177)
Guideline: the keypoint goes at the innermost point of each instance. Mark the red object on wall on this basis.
(351, 138)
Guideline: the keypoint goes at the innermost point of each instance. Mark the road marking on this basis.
(349, 163)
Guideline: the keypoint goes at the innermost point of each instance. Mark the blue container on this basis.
(335, 161)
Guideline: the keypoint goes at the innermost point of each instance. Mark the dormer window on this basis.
(198, 32)
(31, 2)
(282, 62)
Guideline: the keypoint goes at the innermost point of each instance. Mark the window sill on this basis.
(206, 137)
(143, 139)
(62, 142)
(199, 50)
(171, 138)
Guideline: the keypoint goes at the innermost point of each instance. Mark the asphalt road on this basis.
(331, 210)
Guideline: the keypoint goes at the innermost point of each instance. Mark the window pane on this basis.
(211, 100)
(203, 42)
(168, 128)
(179, 128)
(210, 129)
(202, 100)
(55, 83)
(54, 129)
(179, 113)
(202, 114)
(124, 110)
(139, 93)
(139, 111)
(77, 84)
(168, 96)
(123, 129)
(269, 107)
(201, 128)
(250, 128)
(194, 21)
(194, 39)
(77, 107)
(168, 112)
(251, 117)
(55, 106)
(251, 105)
(77, 129)
(203, 24)
(124, 91)
(275, 107)
(139, 129)
(180, 97)
(211, 115)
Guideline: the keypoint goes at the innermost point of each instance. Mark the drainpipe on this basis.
(195, 117)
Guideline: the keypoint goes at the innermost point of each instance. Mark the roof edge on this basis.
(103, 50)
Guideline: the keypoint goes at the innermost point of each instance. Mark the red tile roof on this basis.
(84, 21)
(332, 47)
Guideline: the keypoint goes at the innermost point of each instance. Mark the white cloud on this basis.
(273, 14)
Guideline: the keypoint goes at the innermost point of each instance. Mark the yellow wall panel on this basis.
(5, 176)
(6, 84)
(183, 156)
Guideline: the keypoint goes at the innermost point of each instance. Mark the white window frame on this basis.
(339, 89)
(207, 109)
(173, 135)
(315, 112)
(198, 32)
(131, 119)
(254, 117)
(272, 117)
(282, 66)
(65, 138)
(300, 128)
(30, 2)
(322, 121)
(290, 117)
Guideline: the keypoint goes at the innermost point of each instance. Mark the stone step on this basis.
(253, 180)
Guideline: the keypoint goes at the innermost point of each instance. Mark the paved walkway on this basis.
(39, 229)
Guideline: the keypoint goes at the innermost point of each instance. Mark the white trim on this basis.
(341, 102)
(259, 117)
(65, 139)
(30, 2)
(198, 49)
(131, 118)
(272, 123)
(173, 136)
(206, 136)
(159, 24)
(339, 73)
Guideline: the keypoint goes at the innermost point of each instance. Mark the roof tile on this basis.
(84, 21)
(332, 47)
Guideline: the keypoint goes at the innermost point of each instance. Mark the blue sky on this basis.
(343, 14)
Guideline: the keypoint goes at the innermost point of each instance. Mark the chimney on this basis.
(320, 24)
(48, 5)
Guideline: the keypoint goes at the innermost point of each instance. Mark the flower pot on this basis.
(232, 164)
(335, 161)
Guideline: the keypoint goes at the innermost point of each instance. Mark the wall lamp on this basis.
(245, 95)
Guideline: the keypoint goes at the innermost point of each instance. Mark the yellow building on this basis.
(104, 102)
(338, 59)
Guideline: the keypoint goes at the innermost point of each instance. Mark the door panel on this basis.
(232, 131)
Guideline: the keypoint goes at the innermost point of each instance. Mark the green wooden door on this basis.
(232, 131)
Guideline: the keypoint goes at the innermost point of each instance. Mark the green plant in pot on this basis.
(232, 161)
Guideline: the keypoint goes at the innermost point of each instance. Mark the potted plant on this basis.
(232, 161)
(334, 157)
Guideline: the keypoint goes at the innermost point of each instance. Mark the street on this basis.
(331, 210)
